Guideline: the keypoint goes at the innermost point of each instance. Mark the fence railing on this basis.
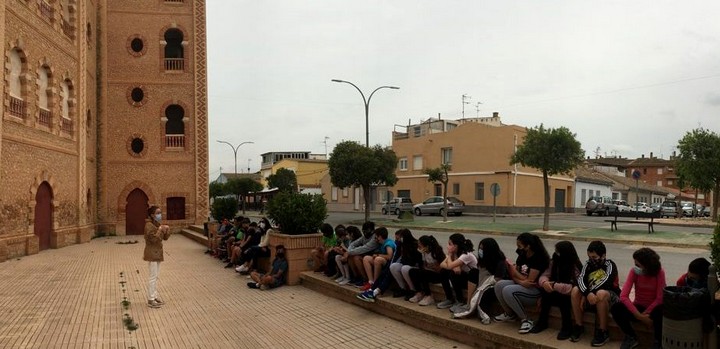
(45, 9)
(174, 64)
(45, 117)
(174, 141)
(66, 126)
(17, 107)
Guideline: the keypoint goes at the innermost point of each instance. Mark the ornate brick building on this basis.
(104, 113)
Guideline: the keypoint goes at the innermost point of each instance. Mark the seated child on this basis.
(375, 263)
(276, 277)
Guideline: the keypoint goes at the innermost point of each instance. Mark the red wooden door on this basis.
(136, 212)
(43, 215)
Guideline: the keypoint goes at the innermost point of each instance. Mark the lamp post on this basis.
(367, 106)
(235, 149)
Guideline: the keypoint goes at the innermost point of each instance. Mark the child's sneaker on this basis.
(340, 279)
(427, 300)
(505, 317)
(252, 284)
(159, 301)
(153, 304)
(367, 296)
(576, 333)
(366, 287)
(525, 327)
(445, 304)
(601, 337)
(416, 298)
(344, 282)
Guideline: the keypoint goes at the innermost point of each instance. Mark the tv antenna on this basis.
(464, 97)
(477, 109)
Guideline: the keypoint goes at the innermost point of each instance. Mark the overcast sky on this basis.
(629, 77)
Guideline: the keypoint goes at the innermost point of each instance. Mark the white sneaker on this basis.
(526, 326)
(505, 317)
(416, 298)
(340, 279)
(344, 282)
(427, 300)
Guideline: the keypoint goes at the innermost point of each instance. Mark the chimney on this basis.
(642, 156)
(496, 114)
(674, 154)
(651, 155)
(439, 118)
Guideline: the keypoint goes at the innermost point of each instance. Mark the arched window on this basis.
(44, 96)
(174, 55)
(66, 105)
(16, 89)
(174, 127)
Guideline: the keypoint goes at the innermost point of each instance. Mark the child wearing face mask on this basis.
(155, 233)
(648, 280)
(597, 286)
(249, 257)
(276, 277)
(697, 274)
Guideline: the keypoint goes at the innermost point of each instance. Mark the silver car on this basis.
(434, 205)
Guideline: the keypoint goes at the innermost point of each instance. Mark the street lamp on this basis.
(367, 106)
(235, 149)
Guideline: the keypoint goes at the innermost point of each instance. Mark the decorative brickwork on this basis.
(202, 202)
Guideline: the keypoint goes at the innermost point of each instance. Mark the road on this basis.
(674, 260)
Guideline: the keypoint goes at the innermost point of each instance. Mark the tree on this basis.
(284, 180)
(699, 163)
(551, 151)
(216, 189)
(352, 164)
(440, 174)
(224, 208)
(242, 187)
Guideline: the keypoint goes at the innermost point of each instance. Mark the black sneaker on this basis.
(576, 333)
(629, 343)
(538, 327)
(601, 337)
(252, 285)
(563, 334)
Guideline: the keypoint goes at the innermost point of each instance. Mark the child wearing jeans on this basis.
(276, 277)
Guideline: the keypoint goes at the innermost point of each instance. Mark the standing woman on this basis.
(155, 233)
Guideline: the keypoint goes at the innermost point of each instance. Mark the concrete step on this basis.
(467, 331)
(192, 234)
(197, 228)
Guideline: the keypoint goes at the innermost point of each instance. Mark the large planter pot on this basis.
(297, 252)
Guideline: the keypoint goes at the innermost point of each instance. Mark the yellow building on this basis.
(479, 151)
(104, 113)
(308, 172)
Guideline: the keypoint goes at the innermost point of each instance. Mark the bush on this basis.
(297, 213)
(224, 208)
(715, 247)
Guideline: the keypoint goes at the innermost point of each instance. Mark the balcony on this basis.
(175, 141)
(45, 9)
(66, 126)
(45, 117)
(174, 64)
(68, 29)
(17, 107)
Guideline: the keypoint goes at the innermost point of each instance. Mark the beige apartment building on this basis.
(479, 151)
(104, 113)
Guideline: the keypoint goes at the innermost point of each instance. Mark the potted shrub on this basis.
(298, 217)
(715, 258)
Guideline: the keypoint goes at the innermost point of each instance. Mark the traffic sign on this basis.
(495, 189)
(636, 175)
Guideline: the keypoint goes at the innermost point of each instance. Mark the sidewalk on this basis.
(70, 298)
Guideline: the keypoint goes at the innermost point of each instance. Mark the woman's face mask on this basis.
(158, 217)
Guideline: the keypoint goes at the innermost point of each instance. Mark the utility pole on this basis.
(477, 109)
(325, 142)
(464, 97)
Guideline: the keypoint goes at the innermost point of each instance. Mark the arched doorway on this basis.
(43, 215)
(136, 212)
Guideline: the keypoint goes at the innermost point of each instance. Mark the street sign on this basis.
(495, 189)
(636, 175)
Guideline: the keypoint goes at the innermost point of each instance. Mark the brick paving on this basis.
(71, 298)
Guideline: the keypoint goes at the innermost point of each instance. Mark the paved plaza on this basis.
(71, 298)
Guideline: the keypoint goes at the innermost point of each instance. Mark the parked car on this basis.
(396, 205)
(622, 205)
(691, 210)
(656, 207)
(602, 205)
(642, 207)
(434, 205)
(706, 211)
(669, 209)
